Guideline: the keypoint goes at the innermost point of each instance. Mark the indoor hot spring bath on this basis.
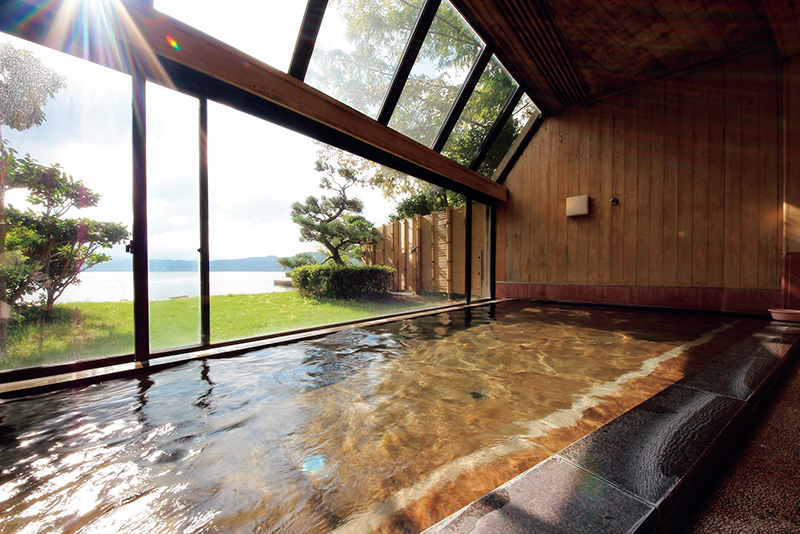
(386, 428)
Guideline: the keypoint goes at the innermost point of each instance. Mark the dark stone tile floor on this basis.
(756, 489)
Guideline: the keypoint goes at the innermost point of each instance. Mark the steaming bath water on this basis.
(386, 428)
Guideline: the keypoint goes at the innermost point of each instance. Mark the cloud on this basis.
(256, 169)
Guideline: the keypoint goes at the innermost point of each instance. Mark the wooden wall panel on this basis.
(656, 230)
(694, 162)
(733, 173)
(792, 162)
(669, 270)
(700, 200)
(458, 256)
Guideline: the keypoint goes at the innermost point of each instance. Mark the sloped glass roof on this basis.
(363, 50)
(359, 47)
(483, 108)
(449, 51)
(524, 111)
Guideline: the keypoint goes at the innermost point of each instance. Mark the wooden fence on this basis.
(429, 252)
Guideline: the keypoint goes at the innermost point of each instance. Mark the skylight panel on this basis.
(524, 112)
(358, 49)
(449, 50)
(482, 110)
(265, 30)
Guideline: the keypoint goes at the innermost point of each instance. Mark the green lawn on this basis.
(96, 329)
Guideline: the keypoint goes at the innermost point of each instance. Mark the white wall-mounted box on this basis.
(578, 205)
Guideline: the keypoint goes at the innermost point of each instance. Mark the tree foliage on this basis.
(298, 260)
(25, 85)
(46, 250)
(428, 200)
(334, 222)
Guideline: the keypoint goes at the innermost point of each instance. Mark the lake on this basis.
(115, 286)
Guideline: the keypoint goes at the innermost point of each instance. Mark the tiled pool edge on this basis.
(636, 474)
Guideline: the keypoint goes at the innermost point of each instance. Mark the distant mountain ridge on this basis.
(264, 263)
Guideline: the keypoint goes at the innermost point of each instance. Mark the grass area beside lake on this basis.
(84, 330)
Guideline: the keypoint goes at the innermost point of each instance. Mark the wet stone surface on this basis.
(771, 342)
(649, 449)
(732, 375)
(567, 499)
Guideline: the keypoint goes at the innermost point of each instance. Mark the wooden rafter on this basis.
(784, 20)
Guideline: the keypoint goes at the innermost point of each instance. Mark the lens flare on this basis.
(173, 43)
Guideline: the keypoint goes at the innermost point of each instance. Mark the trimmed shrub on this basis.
(343, 282)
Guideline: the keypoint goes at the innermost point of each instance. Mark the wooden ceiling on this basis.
(568, 52)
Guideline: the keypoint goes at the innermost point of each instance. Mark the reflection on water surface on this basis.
(337, 434)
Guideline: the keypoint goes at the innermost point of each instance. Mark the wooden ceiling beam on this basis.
(784, 20)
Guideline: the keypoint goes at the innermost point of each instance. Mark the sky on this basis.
(256, 169)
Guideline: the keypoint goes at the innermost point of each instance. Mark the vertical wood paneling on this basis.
(643, 179)
(656, 262)
(699, 238)
(629, 207)
(792, 164)
(582, 223)
(751, 143)
(670, 265)
(514, 215)
(573, 187)
(694, 163)
(457, 254)
(596, 205)
(561, 220)
(716, 177)
(686, 134)
(605, 213)
(552, 199)
(542, 206)
(527, 239)
(769, 198)
(733, 172)
(501, 244)
(618, 191)
(530, 245)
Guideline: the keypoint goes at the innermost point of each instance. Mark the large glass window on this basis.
(67, 274)
(481, 112)
(258, 172)
(173, 218)
(524, 112)
(359, 48)
(68, 207)
(264, 29)
(448, 52)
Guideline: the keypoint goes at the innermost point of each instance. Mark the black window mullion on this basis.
(141, 300)
(468, 252)
(493, 252)
(497, 127)
(515, 152)
(307, 38)
(424, 22)
(205, 284)
(461, 100)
